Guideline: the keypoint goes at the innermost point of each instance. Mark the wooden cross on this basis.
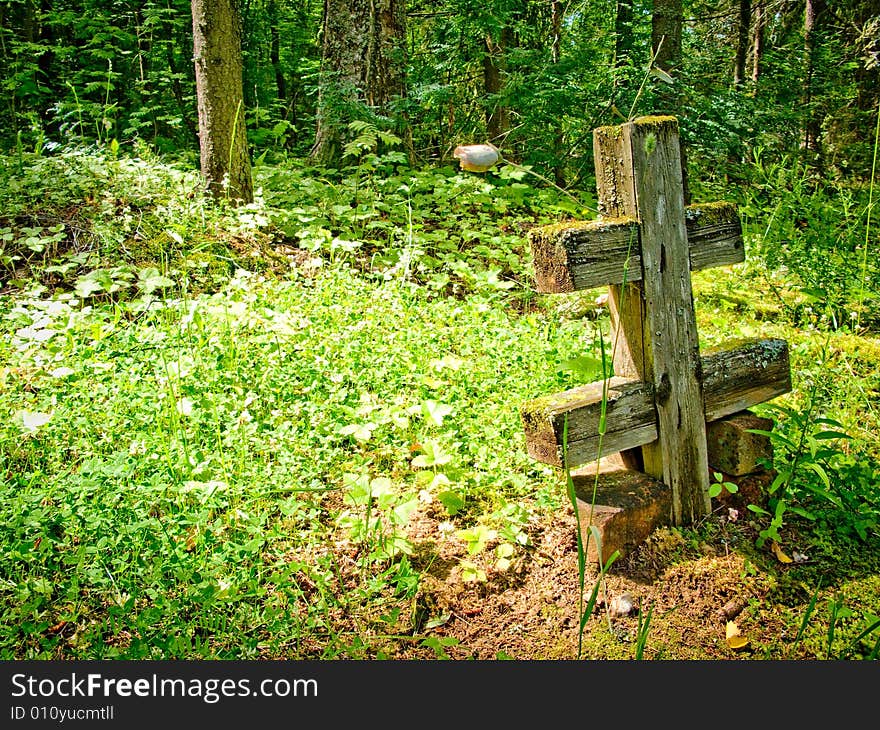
(644, 245)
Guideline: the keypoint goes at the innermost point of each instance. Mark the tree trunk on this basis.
(623, 38)
(666, 45)
(275, 50)
(742, 42)
(362, 62)
(497, 116)
(758, 43)
(555, 54)
(225, 161)
(813, 21)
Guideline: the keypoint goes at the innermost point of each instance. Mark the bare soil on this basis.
(689, 582)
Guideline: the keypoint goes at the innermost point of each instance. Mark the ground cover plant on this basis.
(290, 429)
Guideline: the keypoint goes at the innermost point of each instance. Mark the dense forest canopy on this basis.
(533, 77)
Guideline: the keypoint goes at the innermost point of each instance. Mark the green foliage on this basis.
(864, 645)
(220, 419)
(720, 485)
(178, 444)
(817, 478)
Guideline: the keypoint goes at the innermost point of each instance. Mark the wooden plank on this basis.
(714, 233)
(574, 256)
(617, 199)
(681, 460)
(752, 372)
(629, 417)
(742, 374)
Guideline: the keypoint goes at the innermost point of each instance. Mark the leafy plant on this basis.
(720, 485)
(811, 475)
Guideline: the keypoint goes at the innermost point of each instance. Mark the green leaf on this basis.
(358, 431)
(831, 435)
(435, 412)
(86, 286)
(476, 538)
(150, 279)
(381, 486)
(403, 511)
(452, 501)
(588, 366)
(433, 456)
(818, 469)
(357, 488)
(470, 573)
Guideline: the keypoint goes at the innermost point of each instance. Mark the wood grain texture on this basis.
(751, 372)
(671, 323)
(575, 256)
(617, 199)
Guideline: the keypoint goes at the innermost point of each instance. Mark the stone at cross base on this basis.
(670, 415)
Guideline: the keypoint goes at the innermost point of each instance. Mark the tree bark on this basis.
(362, 62)
(623, 38)
(666, 22)
(814, 15)
(497, 115)
(275, 50)
(666, 45)
(758, 43)
(225, 162)
(742, 42)
(555, 56)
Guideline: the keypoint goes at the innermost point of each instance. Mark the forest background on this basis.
(185, 202)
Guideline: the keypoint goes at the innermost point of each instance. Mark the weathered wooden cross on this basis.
(655, 407)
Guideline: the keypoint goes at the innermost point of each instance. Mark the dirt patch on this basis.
(531, 610)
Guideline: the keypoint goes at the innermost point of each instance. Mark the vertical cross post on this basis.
(654, 331)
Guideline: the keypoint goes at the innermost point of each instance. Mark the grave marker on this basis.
(644, 246)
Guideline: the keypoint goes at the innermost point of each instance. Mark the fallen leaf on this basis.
(780, 556)
(735, 640)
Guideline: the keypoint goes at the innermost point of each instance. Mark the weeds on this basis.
(219, 426)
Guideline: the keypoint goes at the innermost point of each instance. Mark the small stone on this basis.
(733, 449)
(730, 610)
(621, 605)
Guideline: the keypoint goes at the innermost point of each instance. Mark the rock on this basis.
(621, 606)
(732, 449)
(730, 610)
(629, 507)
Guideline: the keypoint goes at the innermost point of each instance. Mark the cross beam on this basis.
(734, 379)
(644, 246)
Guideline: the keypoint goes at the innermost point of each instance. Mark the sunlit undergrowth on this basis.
(217, 423)
(167, 469)
(109, 226)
